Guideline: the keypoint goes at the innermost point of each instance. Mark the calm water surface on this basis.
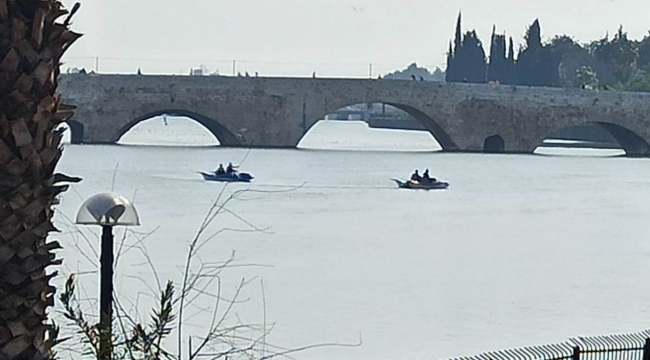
(520, 250)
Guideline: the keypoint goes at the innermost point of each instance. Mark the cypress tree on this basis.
(498, 66)
(466, 61)
(452, 73)
(535, 62)
(470, 59)
(534, 36)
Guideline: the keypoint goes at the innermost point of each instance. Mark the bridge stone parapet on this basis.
(277, 112)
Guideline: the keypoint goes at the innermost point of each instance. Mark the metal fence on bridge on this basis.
(608, 347)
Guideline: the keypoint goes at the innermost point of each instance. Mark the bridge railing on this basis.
(635, 346)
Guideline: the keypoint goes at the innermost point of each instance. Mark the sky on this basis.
(334, 38)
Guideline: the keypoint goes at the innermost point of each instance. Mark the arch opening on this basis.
(633, 144)
(596, 138)
(376, 126)
(494, 144)
(175, 128)
(74, 132)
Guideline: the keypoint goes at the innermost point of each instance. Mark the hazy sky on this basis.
(332, 37)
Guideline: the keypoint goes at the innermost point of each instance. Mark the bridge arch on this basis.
(494, 144)
(599, 134)
(441, 136)
(73, 130)
(430, 124)
(77, 130)
(631, 142)
(225, 136)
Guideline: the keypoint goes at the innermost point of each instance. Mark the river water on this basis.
(520, 250)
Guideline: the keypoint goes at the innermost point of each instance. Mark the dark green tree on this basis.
(498, 67)
(640, 82)
(619, 63)
(534, 36)
(643, 61)
(470, 59)
(466, 63)
(535, 65)
(452, 74)
(568, 57)
(616, 59)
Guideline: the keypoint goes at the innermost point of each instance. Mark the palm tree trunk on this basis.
(32, 40)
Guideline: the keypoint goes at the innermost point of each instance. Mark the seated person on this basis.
(425, 176)
(416, 176)
(230, 169)
(220, 170)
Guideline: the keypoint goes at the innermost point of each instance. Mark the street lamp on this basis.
(106, 210)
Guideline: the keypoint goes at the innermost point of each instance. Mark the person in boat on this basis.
(220, 170)
(230, 169)
(425, 177)
(416, 176)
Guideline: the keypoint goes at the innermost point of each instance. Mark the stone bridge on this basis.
(278, 112)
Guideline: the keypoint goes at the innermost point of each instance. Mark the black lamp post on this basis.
(107, 210)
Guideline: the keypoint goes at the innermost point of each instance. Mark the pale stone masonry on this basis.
(277, 112)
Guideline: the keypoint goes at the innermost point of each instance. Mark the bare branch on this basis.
(227, 335)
